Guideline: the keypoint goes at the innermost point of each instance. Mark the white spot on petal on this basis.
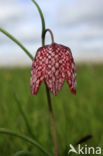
(73, 66)
(46, 61)
(49, 56)
(34, 80)
(53, 78)
(57, 65)
(63, 75)
(70, 82)
(53, 69)
(49, 66)
(37, 82)
(69, 74)
(57, 72)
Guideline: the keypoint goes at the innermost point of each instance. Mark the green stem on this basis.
(52, 121)
(49, 100)
(44, 34)
(47, 90)
(17, 42)
(42, 18)
(25, 138)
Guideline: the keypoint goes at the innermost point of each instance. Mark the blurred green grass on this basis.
(75, 116)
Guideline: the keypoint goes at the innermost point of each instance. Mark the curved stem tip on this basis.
(52, 37)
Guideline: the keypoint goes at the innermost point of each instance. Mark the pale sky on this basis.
(77, 24)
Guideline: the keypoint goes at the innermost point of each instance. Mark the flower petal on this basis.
(55, 68)
(37, 71)
(70, 71)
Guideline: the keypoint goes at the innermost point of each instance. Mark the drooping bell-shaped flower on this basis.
(53, 64)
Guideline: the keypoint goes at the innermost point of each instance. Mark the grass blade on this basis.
(23, 153)
(25, 138)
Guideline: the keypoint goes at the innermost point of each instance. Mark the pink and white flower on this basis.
(53, 64)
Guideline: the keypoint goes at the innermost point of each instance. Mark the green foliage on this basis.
(24, 116)
(75, 116)
(23, 153)
(25, 138)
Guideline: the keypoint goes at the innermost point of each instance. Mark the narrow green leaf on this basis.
(23, 153)
(17, 42)
(25, 138)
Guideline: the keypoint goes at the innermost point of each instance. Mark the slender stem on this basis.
(49, 101)
(52, 37)
(52, 121)
(41, 16)
(47, 90)
(25, 138)
(17, 42)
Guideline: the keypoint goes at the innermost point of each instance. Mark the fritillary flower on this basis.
(53, 63)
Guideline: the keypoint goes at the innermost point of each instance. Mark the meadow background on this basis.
(75, 116)
(77, 24)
